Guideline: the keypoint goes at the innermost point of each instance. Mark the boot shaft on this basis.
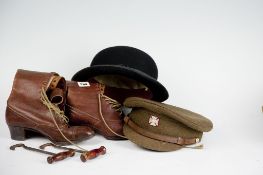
(25, 97)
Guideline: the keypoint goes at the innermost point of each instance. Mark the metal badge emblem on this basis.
(154, 121)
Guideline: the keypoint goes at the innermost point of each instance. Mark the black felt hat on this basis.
(128, 62)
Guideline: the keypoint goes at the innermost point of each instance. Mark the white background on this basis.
(209, 55)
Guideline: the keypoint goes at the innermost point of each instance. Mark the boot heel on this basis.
(17, 133)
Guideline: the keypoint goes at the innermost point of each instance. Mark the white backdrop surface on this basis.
(209, 55)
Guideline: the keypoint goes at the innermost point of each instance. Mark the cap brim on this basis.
(158, 90)
(147, 142)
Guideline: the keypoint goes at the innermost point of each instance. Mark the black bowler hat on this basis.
(128, 62)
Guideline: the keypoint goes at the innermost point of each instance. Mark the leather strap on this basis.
(54, 82)
(164, 138)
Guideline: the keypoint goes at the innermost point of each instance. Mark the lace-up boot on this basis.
(88, 105)
(36, 105)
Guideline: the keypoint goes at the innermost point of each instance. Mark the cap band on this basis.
(164, 138)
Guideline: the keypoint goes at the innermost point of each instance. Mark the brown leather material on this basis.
(57, 96)
(56, 91)
(83, 109)
(55, 80)
(165, 138)
(25, 112)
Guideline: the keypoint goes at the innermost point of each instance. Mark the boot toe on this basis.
(83, 132)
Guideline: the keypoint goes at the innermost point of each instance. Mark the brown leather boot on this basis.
(29, 108)
(88, 105)
(99, 106)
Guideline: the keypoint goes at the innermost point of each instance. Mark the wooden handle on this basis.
(60, 156)
(92, 154)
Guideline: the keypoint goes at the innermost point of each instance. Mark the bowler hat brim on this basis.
(159, 92)
(149, 143)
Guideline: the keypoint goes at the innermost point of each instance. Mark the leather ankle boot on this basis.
(88, 105)
(36, 104)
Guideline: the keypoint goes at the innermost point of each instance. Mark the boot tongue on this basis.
(56, 96)
(56, 91)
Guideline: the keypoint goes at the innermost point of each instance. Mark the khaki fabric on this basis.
(166, 125)
(168, 120)
(189, 118)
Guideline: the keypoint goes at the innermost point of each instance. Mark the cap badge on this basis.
(154, 121)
